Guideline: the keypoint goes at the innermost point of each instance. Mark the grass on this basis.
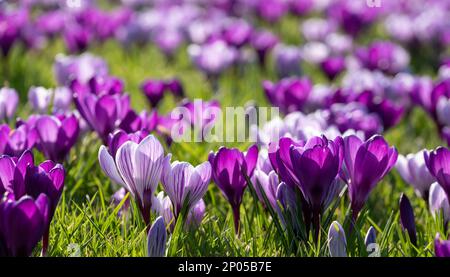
(86, 221)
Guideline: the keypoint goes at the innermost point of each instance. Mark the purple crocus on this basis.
(414, 171)
(14, 142)
(263, 42)
(271, 10)
(438, 164)
(230, 170)
(9, 99)
(333, 66)
(57, 135)
(77, 38)
(81, 68)
(365, 164)
(22, 224)
(153, 90)
(184, 184)
(137, 167)
(290, 94)
(407, 218)
(102, 113)
(316, 164)
(22, 177)
(441, 247)
(287, 60)
(238, 33)
(156, 239)
(337, 243)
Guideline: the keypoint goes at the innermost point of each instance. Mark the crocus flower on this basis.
(156, 240)
(62, 100)
(366, 163)
(337, 243)
(77, 38)
(287, 61)
(21, 177)
(196, 214)
(237, 33)
(81, 68)
(438, 202)
(212, 58)
(168, 41)
(184, 184)
(144, 121)
(316, 165)
(8, 103)
(290, 94)
(22, 224)
(371, 237)
(102, 113)
(271, 10)
(441, 247)
(439, 167)
(14, 142)
(263, 42)
(118, 197)
(153, 90)
(414, 171)
(40, 99)
(333, 66)
(57, 135)
(407, 218)
(230, 170)
(175, 87)
(137, 167)
(385, 56)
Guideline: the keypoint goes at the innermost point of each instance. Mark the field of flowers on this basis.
(114, 128)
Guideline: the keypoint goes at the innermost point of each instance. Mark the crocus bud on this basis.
(337, 243)
(8, 103)
(156, 240)
(437, 163)
(407, 218)
(40, 99)
(371, 237)
(154, 91)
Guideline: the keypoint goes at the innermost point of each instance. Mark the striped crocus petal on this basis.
(156, 240)
(337, 243)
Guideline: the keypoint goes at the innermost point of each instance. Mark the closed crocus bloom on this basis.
(168, 41)
(333, 66)
(196, 214)
(77, 38)
(22, 224)
(57, 135)
(81, 68)
(213, 57)
(443, 111)
(162, 206)
(184, 184)
(144, 121)
(271, 10)
(287, 60)
(263, 42)
(8, 103)
(441, 247)
(230, 168)
(62, 100)
(366, 163)
(337, 243)
(175, 87)
(316, 166)
(267, 184)
(137, 167)
(40, 99)
(371, 237)
(238, 33)
(290, 94)
(119, 137)
(439, 167)
(156, 239)
(154, 91)
(438, 202)
(103, 113)
(414, 171)
(407, 218)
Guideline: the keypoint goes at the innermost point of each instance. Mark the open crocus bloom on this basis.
(137, 167)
